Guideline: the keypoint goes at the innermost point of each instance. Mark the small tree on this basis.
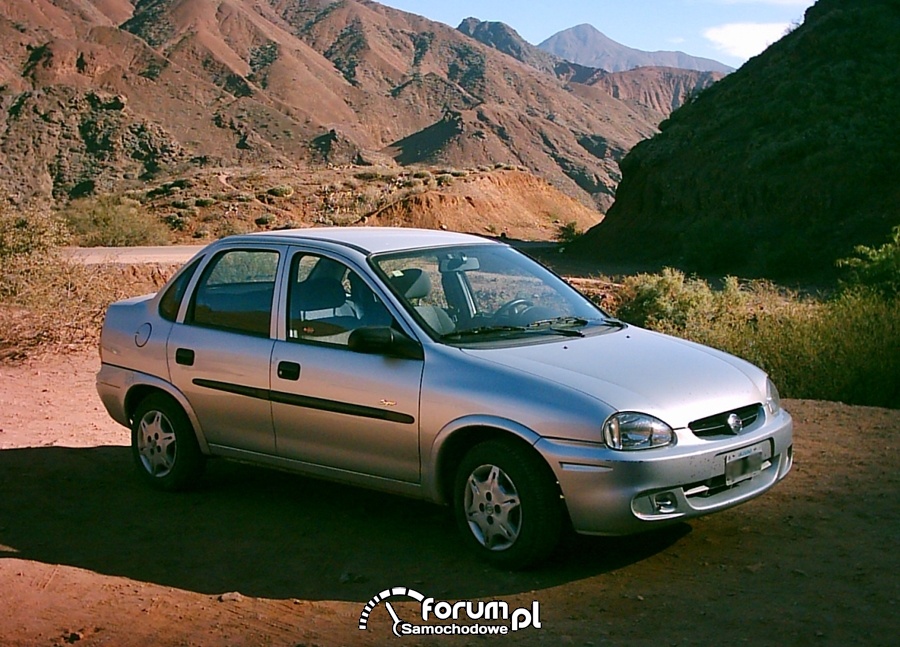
(568, 232)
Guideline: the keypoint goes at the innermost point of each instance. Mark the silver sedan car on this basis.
(439, 366)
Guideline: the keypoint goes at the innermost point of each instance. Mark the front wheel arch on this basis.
(455, 439)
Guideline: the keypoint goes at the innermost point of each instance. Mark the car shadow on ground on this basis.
(261, 532)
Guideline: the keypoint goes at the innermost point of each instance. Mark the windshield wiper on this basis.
(614, 323)
(567, 326)
(482, 330)
(561, 325)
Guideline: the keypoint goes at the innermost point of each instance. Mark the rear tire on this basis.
(164, 446)
(507, 504)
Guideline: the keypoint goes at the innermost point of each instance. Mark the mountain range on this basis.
(103, 95)
(655, 89)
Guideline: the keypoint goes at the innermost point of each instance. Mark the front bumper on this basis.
(611, 492)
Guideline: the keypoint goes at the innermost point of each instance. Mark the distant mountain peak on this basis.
(659, 89)
(586, 45)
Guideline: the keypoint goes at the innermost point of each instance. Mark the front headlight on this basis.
(773, 400)
(630, 431)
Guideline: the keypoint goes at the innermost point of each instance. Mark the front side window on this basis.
(235, 292)
(469, 294)
(327, 301)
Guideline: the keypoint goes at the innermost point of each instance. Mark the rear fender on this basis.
(143, 384)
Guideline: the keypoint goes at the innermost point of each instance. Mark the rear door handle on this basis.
(289, 371)
(184, 356)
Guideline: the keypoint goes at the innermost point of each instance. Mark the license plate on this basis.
(742, 464)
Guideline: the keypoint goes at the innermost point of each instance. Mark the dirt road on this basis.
(132, 255)
(90, 557)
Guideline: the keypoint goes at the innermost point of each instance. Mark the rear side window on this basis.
(170, 302)
(235, 292)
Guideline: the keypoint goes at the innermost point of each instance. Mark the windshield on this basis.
(465, 294)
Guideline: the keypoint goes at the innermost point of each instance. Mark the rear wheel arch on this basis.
(140, 392)
(164, 443)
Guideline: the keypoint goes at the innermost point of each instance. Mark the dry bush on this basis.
(60, 305)
(48, 302)
(116, 221)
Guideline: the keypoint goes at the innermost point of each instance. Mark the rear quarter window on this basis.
(171, 299)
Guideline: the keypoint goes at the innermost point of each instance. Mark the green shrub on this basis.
(281, 191)
(113, 221)
(669, 299)
(876, 267)
(176, 222)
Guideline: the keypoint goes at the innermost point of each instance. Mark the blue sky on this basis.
(730, 31)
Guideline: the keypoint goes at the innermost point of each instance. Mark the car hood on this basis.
(638, 370)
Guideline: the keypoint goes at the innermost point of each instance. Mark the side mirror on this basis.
(382, 340)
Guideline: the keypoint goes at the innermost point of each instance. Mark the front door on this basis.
(331, 406)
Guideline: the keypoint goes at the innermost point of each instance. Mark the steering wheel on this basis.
(513, 308)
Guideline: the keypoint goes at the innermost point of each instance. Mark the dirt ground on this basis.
(89, 556)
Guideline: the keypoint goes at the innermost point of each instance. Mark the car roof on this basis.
(369, 240)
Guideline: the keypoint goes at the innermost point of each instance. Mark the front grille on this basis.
(717, 425)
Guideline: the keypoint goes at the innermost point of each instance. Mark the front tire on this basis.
(163, 445)
(507, 503)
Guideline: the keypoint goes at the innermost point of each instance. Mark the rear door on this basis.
(219, 354)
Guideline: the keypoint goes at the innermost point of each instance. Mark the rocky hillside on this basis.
(781, 167)
(655, 91)
(586, 45)
(101, 95)
(218, 202)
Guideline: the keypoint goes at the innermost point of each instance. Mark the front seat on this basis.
(414, 284)
(317, 309)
